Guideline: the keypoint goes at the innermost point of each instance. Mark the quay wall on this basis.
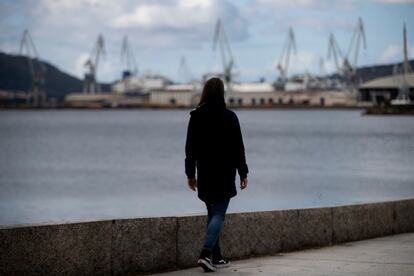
(144, 245)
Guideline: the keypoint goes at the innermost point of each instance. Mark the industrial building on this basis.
(386, 89)
(283, 98)
(250, 95)
(143, 83)
(396, 89)
(151, 90)
(176, 95)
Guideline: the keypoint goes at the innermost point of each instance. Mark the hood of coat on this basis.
(210, 107)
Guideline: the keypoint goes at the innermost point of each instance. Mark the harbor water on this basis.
(72, 165)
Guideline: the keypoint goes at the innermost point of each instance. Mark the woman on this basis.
(215, 147)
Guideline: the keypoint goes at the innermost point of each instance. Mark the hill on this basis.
(371, 72)
(368, 73)
(15, 76)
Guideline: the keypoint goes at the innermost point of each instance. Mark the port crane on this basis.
(90, 85)
(128, 59)
(403, 96)
(350, 65)
(36, 68)
(184, 73)
(227, 58)
(334, 51)
(288, 49)
(347, 64)
(322, 70)
(407, 67)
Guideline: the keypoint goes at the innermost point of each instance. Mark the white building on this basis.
(184, 95)
(144, 83)
(250, 94)
(264, 94)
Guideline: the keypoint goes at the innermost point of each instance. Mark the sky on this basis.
(161, 32)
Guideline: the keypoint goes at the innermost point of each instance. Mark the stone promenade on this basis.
(388, 256)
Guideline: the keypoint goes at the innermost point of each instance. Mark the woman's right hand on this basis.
(192, 183)
(243, 183)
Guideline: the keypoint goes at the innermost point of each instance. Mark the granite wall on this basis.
(143, 245)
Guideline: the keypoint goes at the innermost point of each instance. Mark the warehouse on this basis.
(385, 89)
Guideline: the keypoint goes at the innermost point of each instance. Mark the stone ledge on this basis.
(357, 222)
(68, 249)
(403, 216)
(142, 245)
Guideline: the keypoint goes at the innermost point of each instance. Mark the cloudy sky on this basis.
(162, 31)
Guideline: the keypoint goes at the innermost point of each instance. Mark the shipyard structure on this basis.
(344, 88)
(149, 90)
(158, 91)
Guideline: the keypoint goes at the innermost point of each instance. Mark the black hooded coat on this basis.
(215, 147)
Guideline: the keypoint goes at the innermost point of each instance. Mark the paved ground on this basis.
(393, 255)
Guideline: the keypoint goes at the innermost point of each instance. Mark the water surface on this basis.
(100, 164)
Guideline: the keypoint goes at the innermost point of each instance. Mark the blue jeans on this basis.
(216, 212)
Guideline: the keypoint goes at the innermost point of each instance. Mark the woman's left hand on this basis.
(192, 183)
(243, 183)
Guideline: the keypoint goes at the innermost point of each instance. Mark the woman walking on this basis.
(214, 148)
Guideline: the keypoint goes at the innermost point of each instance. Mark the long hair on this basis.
(213, 91)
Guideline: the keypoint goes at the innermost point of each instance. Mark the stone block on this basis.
(357, 222)
(143, 245)
(66, 249)
(290, 236)
(315, 227)
(191, 232)
(404, 216)
(247, 234)
(305, 228)
(243, 235)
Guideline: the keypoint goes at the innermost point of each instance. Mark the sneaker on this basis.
(205, 262)
(221, 263)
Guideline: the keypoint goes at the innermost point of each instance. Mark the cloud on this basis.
(182, 15)
(303, 61)
(394, 52)
(79, 64)
(281, 4)
(395, 1)
(332, 14)
(324, 25)
(161, 23)
(330, 66)
(160, 31)
(344, 5)
(64, 30)
(390, 53)
(278, 5)
(186, 21)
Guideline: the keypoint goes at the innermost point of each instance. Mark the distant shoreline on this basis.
(275, 107)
